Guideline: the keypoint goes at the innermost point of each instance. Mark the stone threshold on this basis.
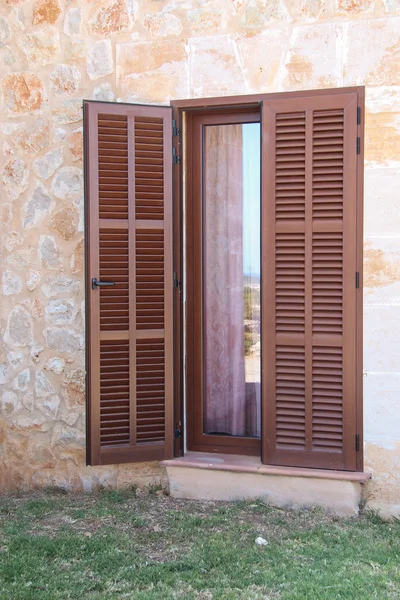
(228, 477)
(252, 464)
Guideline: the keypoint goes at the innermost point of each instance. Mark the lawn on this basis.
(116, 545)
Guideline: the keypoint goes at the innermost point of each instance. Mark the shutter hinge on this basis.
(175, 159)
(358, 145)
(357, 279)
(177, 433)
(357, 442)
(177, 282)
(358, 115)
(175, 129)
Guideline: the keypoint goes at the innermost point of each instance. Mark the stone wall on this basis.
(53, 53)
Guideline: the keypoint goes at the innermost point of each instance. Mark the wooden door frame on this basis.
(359, 262)
(178, 308)
(179, 108)
(197, 440)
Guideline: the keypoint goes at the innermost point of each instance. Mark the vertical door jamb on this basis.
(178, 327)
(359, 291)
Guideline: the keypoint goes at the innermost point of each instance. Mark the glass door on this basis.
(224, 403)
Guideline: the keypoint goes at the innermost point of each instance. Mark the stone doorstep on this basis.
(231, 478)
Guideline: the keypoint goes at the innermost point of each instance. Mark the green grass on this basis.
(120, 545)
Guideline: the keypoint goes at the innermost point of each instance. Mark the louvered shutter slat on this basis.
(309, 262)
(129, 208)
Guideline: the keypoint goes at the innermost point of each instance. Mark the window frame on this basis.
(197, 440)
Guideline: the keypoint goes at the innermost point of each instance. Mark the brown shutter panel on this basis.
(128, 166)
(309, 270)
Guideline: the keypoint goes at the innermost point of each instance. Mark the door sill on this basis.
(252, 464)
(229, 477)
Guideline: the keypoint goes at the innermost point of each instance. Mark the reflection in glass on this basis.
(231, 280)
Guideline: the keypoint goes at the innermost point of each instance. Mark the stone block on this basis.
(12, 240)
(152, 71)
(68, 111)
(11, 283)
(203, 21)
(75, 144)
(263, 13)
(6, 213)
(110, 19)
(382, 270)
(23, 93)
(65, 79)
(43, 387)
(39, 205)
(64, 340)
(381, 408)
(163, 25)
(382, 126)
(72, 21)
(19, 328)
(46, 11)
(49, 253)
(65, 223)
(381, 201)
(55, 364)
(99, 60)
(381, 339)
(353, 8)
(34, 138)
(32, 279)
(314, 58)
(61, 311)
(75, 48)
(60, 285)
(308, 11)
(382, 493)
(5, 31)
(67, 183)
(77, 258)
(104, 92)
(214, 67)
(372, 56)
(15, 178)
(46, 165)
(22, 380)
(41, 47)
(73, 389)
(262, 76)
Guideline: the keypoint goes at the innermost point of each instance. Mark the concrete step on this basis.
(231, 478)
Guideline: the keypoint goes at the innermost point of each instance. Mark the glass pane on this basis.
(231, 279)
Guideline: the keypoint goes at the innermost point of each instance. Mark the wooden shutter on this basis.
(128, 166)
(309, 280)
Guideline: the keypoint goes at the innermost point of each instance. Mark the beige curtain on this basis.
(225, 394)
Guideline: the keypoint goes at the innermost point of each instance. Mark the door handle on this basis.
(96, 284)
